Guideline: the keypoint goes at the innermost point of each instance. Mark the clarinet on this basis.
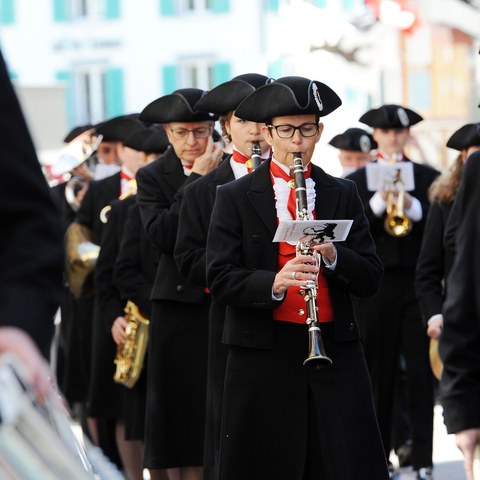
(256, 158)
(317, 357)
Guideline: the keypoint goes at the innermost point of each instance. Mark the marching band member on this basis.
(355, 147)
(30, 245)
(460, 339)
(91, 214)
(280, 419)
(434, 260)
(177, 358)
(196, 208)
(390, 320)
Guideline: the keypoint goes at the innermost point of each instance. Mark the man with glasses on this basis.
(177, 359)
(281, 419)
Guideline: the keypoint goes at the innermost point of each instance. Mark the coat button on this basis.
(180, 288)
(350, 326)
(255, 238)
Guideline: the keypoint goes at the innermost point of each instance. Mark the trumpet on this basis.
(317, 357)
(396, 222)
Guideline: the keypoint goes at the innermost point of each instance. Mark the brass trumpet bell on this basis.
(82, 254)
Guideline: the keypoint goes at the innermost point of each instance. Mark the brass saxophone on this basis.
(130, 356)
(317, 357)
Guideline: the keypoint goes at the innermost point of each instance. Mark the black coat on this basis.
(460, 340)
(31, 247)
(190, 254)
(99, 194)
(394, 252)
(106, 396)
(136, 263)
(177, 358)
(434, 262)
(195, 212)
(242, 261)
(270, 398)
(158, 184)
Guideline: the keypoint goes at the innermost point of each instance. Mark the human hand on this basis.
(119, 330)
(17, 342)
(466, 441)
(295, 273)
(209, 159)
(435, 327)
(327, 250)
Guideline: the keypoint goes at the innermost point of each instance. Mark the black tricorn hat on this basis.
(390, 116)
(288, 96)
(465, 137)
(76, 131)
(227, 96)
(179, 106)
(156, 142)
(355, 140)
(118, 128)
(136, 139)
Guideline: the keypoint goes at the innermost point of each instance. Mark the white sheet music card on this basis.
(390, 176)
(314, 231)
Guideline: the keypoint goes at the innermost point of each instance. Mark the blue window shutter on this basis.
(348, 4)
(221, 72)
(114, 92)
(273, 5)
(7, 12)
(320, 3)
(275, 69)
(65, 78)
(170, 78)
(220, 6)
(167, 8)
(112, 9)
(60, 10)
(13, 75)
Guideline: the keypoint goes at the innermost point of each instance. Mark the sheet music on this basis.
(312, 231)
(391, 177)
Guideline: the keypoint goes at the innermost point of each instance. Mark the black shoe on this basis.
(404, 454)
(425, 473)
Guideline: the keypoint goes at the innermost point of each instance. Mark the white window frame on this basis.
(197, 72)
(89, 93)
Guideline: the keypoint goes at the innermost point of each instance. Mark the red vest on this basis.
(293, 308)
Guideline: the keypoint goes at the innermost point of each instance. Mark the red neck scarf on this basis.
(278, 172)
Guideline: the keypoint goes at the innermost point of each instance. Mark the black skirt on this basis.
(176, 385)
(284, 421)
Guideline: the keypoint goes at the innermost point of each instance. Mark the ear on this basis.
(320, 131)
(267, 135)
(168, 132)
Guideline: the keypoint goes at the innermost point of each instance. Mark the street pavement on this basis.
(447, 459)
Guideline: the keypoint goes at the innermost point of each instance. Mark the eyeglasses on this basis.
(288, 131)
(200, 132)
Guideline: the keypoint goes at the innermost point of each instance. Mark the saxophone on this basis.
(317, 357)
(130, 356)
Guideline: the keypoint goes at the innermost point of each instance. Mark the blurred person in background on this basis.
(31, 255)
(390, 321)
(355, 146)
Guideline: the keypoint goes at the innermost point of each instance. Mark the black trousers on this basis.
(391, 325)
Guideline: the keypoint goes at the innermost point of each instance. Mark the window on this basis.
(89, 94)
(197, 73)
(190, 6)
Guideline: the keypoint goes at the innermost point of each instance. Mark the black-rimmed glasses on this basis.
(200, 132)
(288, 131)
